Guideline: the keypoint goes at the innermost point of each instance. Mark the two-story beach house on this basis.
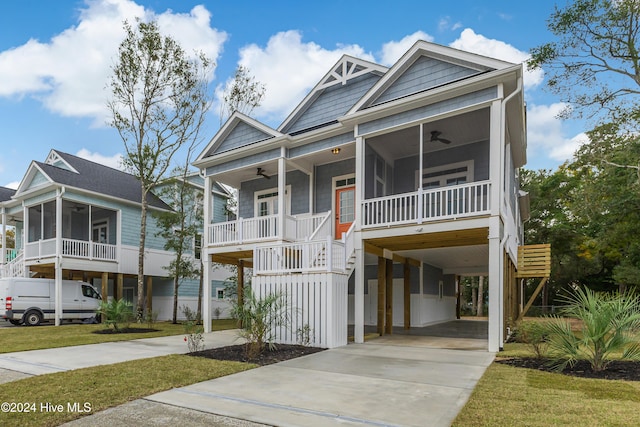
(380, 189)
(80, 220)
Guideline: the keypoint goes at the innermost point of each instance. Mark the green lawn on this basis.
(38, 337)
(508, 396)
(105, 386)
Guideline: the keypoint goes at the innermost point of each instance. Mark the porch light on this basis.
(336, 150)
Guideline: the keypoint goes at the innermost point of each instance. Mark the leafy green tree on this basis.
(179, 229)
(609, 326)
(158, 103)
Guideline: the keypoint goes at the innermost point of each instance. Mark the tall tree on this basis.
(159, 99)
(243, 94)
(594, 63)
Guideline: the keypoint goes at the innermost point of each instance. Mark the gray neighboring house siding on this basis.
(333, 102)
(423, 74)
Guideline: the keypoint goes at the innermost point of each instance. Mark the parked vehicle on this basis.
(32, 301)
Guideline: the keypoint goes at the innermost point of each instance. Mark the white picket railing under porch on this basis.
(15, 267)
(72, 248)
(451, 202)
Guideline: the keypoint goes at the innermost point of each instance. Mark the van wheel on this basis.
(15, 322)
(32, 318)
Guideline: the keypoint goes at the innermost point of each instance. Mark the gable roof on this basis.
(466, 64)
(90, 176)
(345, 70)
(238, 131)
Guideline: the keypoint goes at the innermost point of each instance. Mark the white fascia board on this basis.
(462, 87)
(31, 171)
(241, 152)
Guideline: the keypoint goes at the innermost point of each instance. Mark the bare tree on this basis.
(243, 94)
(159, 100)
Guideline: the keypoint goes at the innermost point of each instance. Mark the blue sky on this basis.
(55, 57)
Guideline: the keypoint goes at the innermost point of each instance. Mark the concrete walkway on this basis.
(371, 384)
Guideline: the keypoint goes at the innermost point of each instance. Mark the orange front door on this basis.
(345, 209)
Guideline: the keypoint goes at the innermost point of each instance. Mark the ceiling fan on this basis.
(261, 172)
(435, 137)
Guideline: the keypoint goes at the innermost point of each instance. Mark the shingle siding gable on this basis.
(241, 135)
(423, 74)
(333, 102)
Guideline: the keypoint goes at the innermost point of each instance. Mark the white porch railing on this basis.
(313, 256)
(249, 230)
(72, 248)
(427, 205)
(15, 267)
(10, 254)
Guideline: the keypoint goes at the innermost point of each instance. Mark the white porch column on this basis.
(205, 257)
(359, 195)
(282, 178)
(4, 237)
(495, 286)
(495, 164)
(58, 263)
(420, 172)
(358, 294)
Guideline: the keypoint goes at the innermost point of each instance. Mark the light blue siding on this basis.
(298, 181)
(241, 135)
(45, 197)
(219, 213)
(332, 103)
(249, 160)
(324, 177)
(38, 179)
(325, 144)
(405, 168)
(423, 74)
(429, 110)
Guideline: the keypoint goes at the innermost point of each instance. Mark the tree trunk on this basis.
(175, 300)
(474, 298)
(480, 311)
(141, 246)
(199, 313)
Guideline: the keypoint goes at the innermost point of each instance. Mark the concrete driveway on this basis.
(359, 384)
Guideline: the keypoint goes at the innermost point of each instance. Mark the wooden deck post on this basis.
(389, 297)
(407, 296)
(382, 265)
(149, 295)
(105, 286)
(117, 294)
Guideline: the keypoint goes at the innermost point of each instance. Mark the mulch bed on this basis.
(617, 369)
(125, 331)
(237, 353)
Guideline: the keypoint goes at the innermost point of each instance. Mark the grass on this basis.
(106, 386)
(508, 396)
(40, 337)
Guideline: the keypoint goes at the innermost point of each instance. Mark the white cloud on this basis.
(69, 72)
(289, 68)
(545, 133)
(114, 161)
(393, 50)
(477, 43)
(13, 185)
(445, 24)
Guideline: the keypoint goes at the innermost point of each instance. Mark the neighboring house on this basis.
(396, 182)
(80, 220)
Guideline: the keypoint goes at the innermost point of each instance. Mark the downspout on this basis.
(503, 133)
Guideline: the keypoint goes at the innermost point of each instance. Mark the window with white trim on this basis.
(266, 201)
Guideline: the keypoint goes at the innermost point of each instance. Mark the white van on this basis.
(31, 301)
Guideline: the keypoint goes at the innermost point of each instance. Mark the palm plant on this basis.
(609, 326)
(259, 317)
(115, 312)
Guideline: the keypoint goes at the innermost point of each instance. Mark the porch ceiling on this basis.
(459, 252)
(232, 258)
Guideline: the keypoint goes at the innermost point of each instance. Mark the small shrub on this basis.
(258, 319)
(194, 331)
(305, 335)
(116, 313)
(534, 334)
(217, 312)
(150, 318)
(610, 323)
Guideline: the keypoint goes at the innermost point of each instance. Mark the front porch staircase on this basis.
(15, 268)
